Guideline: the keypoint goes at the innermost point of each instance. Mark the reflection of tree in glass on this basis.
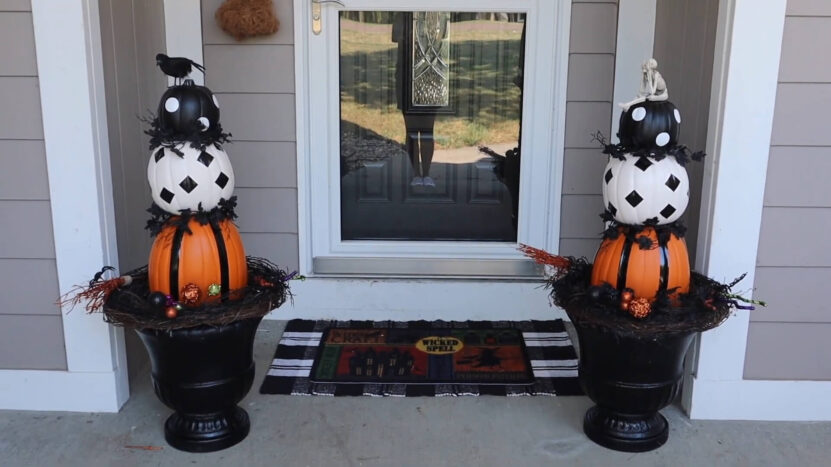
(485, 63)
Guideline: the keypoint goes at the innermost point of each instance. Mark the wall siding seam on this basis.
(255, 93)
(791, 267)
(775, 322)
(591, 53)
(800, 145)
(795, 207)
(268, 232)
(219, 44)
(23, 199)
(234, 140)
(42, 258)
(57, 313)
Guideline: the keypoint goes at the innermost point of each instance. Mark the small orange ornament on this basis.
(190, 295)
(627, 295)
(171, 312)
(640, 308)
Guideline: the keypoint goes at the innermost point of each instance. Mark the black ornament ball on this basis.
(187, 109)
(157, 299)
(650, 125)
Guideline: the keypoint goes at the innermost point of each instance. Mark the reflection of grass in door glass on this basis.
(484, 65)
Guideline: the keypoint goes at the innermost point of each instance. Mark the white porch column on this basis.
(635, 44)
(745, 74)
(183, 33)
(68, 43)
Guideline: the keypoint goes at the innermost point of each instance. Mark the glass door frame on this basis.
(322, 252)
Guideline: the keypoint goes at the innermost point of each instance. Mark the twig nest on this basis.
(247, 18)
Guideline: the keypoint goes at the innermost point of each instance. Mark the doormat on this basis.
(423, 358)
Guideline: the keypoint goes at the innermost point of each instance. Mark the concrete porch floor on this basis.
(363, 431)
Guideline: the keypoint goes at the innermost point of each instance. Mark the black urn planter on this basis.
(630, 378)
(202, 373)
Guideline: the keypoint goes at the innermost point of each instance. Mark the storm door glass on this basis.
(430, 123)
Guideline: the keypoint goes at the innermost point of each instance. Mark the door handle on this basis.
(317, 14)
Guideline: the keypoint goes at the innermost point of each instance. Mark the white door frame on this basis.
(71, 77)
(540, 190)
(389, 298)
(742, 105)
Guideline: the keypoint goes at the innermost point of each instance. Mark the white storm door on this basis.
(430, 135)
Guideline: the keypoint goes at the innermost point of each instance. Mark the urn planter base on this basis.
(630, 378)
(202, 373)
(207, 433)
(628, 433)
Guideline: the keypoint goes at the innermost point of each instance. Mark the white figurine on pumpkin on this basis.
(653, 86)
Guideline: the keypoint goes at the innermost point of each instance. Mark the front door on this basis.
(433, 135)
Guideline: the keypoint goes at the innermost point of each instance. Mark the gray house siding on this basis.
(31, 329)
(789, 338)
(254, 81)
(589, 107)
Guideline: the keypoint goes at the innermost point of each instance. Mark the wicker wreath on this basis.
(247, 18)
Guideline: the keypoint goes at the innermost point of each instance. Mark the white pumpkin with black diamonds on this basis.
(641, 189)
(196, 179)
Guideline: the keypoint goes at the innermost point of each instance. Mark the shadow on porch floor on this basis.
(363, 431)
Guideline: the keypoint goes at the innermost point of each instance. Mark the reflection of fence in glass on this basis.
(431, 59)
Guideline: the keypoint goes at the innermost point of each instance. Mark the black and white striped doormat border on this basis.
(553, 361)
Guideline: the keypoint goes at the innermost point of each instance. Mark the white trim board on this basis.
(60, 391)
(635, 44)
(762, 400)
(742, 104)
(71, 76)
(183, 33)
(403, 300)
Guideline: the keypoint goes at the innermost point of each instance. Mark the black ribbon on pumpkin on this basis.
(222, 252)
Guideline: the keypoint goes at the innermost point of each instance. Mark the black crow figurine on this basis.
(177, 67)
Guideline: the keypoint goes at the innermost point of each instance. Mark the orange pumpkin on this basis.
(622, 263)
(210, 254)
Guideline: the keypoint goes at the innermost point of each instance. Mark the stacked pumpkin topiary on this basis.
(198, 252)
(645, 191)
(631, 366)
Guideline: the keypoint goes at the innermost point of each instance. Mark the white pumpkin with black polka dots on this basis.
(196, 179)
(641, 189)
(650, 125)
